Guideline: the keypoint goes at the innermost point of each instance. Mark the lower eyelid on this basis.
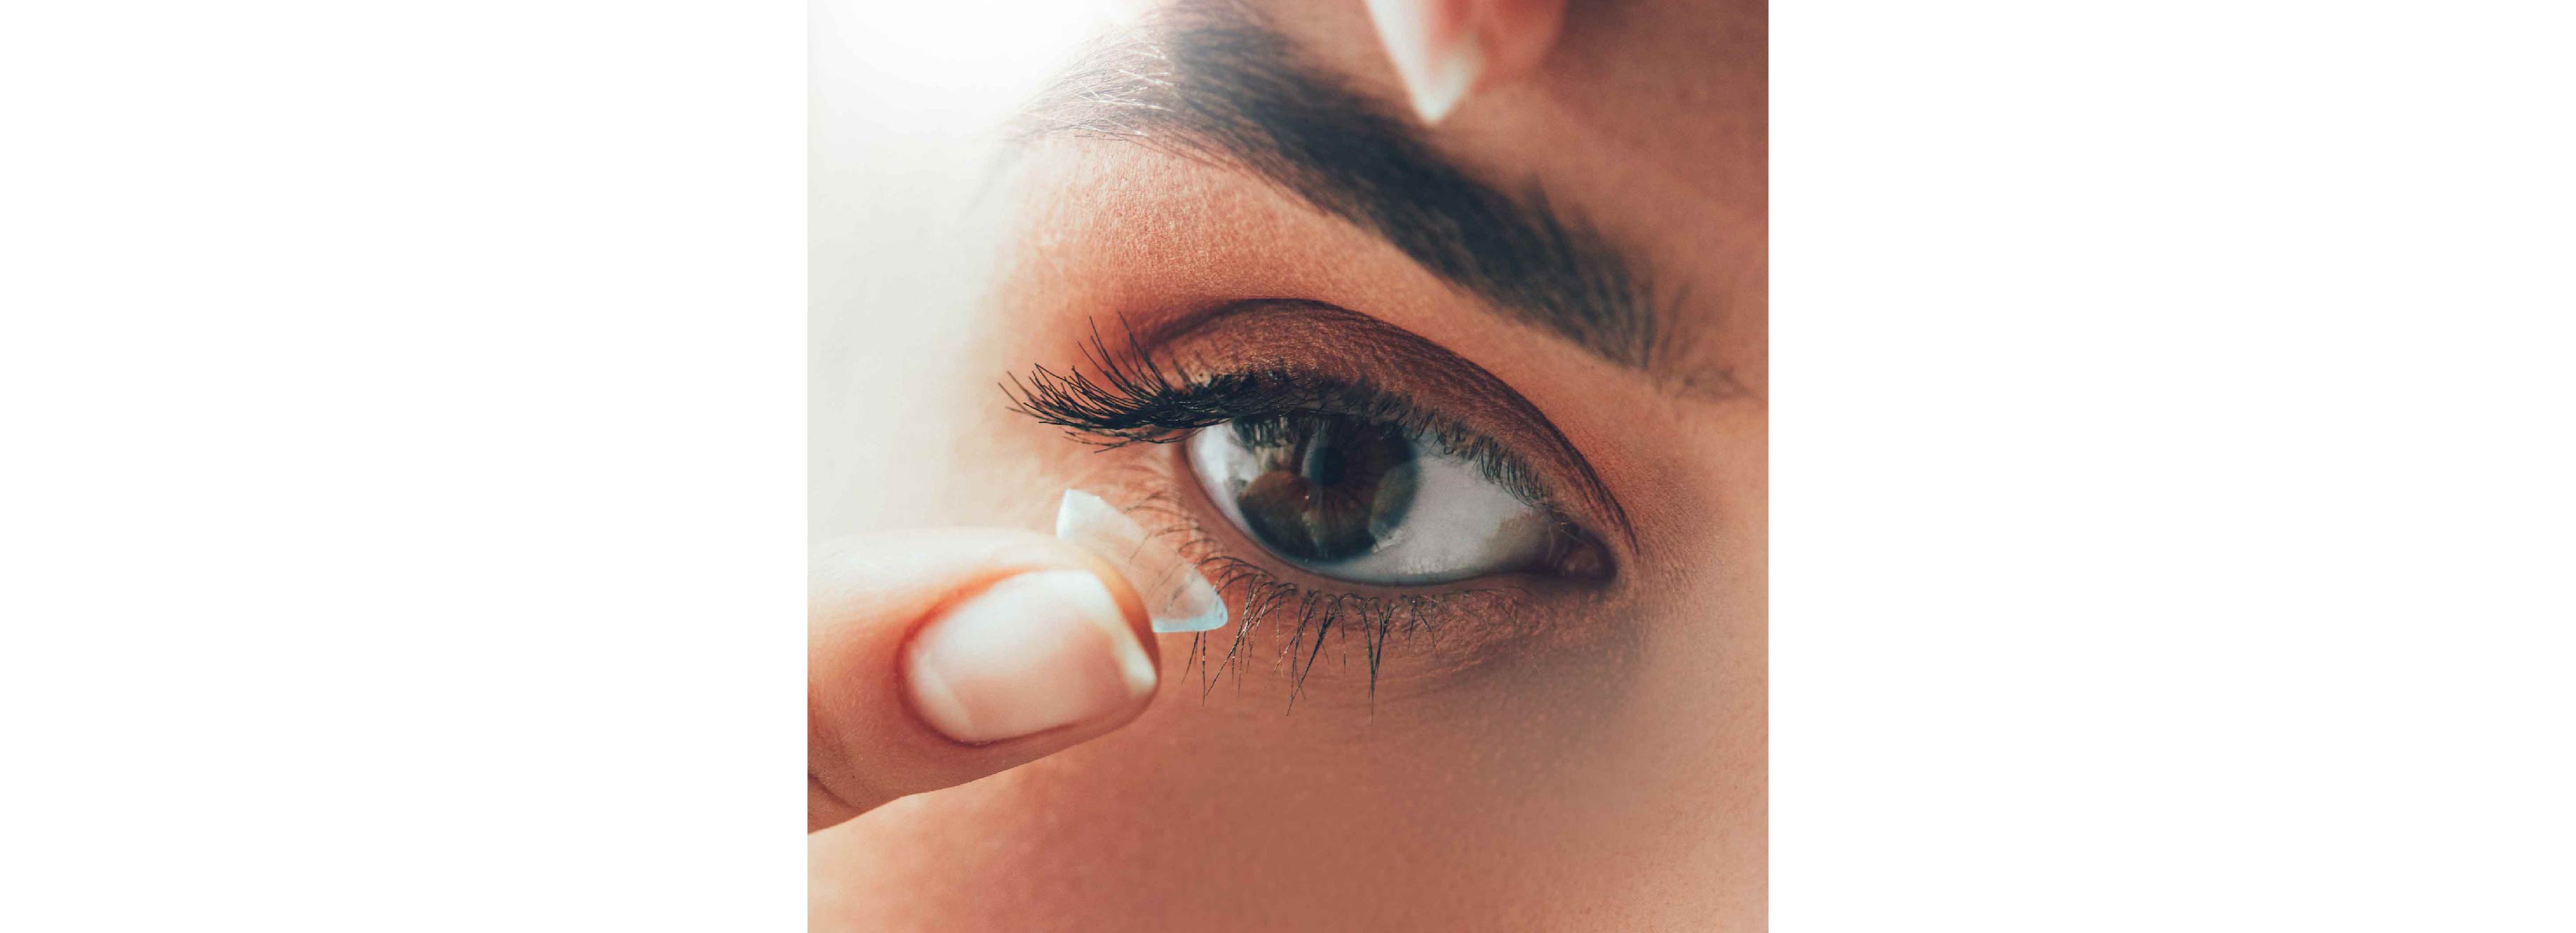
(1279, 612)
(1338, 650)
(1299, 624)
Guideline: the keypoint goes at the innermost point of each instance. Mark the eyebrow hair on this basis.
(1211, 81)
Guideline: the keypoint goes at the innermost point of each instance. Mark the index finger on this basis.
(937, 657)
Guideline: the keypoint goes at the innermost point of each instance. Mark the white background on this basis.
(905, 210)
(402, 495)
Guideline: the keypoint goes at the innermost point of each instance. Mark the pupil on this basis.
(1329, 488)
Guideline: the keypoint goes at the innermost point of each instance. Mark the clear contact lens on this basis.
(1177, 598)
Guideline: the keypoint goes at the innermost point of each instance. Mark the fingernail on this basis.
(1034, 652)
(1435, 53)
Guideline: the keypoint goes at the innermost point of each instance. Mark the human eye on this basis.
(1365, 500)
(1325, 469)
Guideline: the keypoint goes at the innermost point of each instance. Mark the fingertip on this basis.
(940, 656)
(1445, 51)
(1516, 36)
(1040, 651)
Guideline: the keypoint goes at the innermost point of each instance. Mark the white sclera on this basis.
(1177, 598)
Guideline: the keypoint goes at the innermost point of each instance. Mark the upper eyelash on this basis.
(1137, 399)
(1134, 399)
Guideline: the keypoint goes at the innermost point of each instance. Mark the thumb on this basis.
(934, 658)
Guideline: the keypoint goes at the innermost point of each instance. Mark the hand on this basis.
(938, 657)
(1445, 50)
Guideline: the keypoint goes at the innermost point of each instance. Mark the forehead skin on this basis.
(1674, 89)
(1561, 213)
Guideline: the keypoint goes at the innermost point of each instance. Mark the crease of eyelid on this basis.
(1163, 331)
(1216, 83)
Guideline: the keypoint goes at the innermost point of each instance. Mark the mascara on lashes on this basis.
(1113, 399)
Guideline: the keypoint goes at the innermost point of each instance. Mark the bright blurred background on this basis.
(905, 105)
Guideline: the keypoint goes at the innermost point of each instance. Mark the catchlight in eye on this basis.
(1367, 501)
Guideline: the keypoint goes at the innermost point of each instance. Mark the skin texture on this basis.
(1606, 774)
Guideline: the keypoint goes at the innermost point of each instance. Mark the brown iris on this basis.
(1330, 488)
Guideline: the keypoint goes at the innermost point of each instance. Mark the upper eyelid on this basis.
(1145, 365)
(1415, 352)
(1061, 399)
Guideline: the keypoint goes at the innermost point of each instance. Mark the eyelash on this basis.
(1137, 398)
(1261, 594)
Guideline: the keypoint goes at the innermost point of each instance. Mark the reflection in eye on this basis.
(1366, 501)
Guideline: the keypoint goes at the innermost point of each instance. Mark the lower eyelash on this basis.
(1262, 595)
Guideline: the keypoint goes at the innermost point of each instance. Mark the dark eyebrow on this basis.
(1212, 82)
